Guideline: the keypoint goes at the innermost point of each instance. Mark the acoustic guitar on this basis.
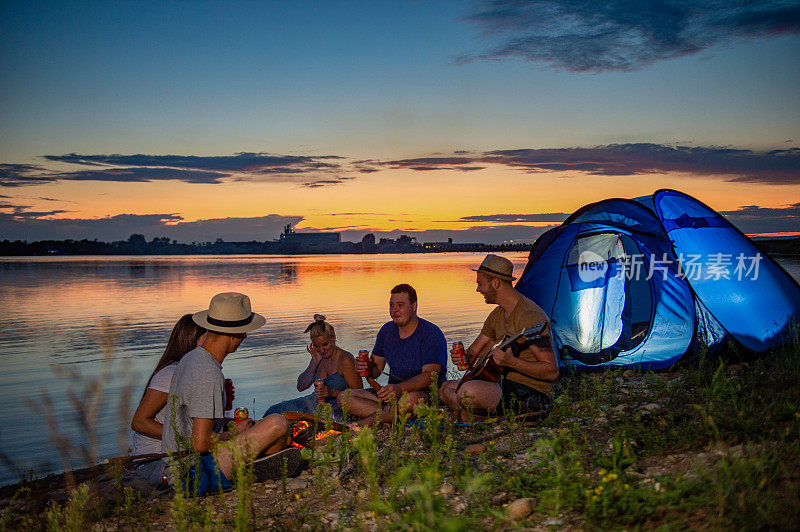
(484, 368)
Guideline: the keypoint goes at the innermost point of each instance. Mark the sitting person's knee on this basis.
(465, 399)
(443, 392)
(276, 421)
(408, 401)
(343, 398)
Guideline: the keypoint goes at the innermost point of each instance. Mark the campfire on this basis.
(302, 427)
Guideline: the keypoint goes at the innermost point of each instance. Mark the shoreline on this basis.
(786, 248)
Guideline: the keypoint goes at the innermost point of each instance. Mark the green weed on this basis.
(73, 516)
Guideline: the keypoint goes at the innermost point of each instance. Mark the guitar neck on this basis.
(531, 333)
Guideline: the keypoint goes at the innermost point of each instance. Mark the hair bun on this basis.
(318, 318)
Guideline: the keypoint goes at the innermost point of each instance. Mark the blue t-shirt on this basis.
(406, 356)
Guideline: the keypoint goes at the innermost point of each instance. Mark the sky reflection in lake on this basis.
(54, 308)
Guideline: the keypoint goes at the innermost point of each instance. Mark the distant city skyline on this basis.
(480, 121)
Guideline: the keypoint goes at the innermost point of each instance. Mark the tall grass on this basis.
(708, 444)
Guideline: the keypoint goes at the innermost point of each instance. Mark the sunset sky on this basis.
(480, 121)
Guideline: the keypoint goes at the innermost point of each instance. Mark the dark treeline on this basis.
(136, 244)
(784, 247)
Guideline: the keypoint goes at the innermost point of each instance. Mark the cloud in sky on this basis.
(774, 167)
(422, 164)
(241, 162)
(23, 212)
(259, 228)
(23, 224)
(752, 219)
(187, 168)
(546, 217)
(749, 219)
(356, 214)
(326, 182)
(474, 234)
(626, 35)
(14, 175)
(19, 222)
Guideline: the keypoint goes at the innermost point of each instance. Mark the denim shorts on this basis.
(306, 405)
(152, 472)
(207, 475)
(518, 398)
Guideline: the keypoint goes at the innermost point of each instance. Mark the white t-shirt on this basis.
(143, 444)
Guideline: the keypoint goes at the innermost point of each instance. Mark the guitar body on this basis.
(487, 370)
(484, 368)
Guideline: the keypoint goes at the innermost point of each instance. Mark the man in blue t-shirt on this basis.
(414, 349)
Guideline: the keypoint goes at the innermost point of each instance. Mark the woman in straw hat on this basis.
(329, 362)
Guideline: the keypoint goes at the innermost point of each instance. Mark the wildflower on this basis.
(297, 496)
(594, 497)
(612, 476)
(598, 490)
(602, 472)
(626, 486)
(604, 479)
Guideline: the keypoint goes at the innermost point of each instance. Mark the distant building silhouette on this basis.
(291, 242)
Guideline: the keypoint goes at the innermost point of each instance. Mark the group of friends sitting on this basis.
(183, 406)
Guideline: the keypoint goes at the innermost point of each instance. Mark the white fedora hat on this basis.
(229, 312)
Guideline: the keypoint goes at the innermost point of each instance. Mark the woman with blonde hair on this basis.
(329, 362)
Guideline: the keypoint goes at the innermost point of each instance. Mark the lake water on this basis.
(56, 311)
(58, 314)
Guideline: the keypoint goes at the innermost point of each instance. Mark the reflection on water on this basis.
(52, 307)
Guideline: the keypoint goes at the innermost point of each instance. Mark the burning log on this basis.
(303, 429)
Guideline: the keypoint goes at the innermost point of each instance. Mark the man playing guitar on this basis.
(528, 367)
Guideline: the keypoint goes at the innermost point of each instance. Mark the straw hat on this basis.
(497, 266)
(229, 313)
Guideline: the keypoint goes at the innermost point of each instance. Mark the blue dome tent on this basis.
(642, 282)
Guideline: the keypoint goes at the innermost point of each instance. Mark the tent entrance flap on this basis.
(596, 314)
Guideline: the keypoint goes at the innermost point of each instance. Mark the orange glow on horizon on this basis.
(307, 285)
(393, 199)
(775, 235)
